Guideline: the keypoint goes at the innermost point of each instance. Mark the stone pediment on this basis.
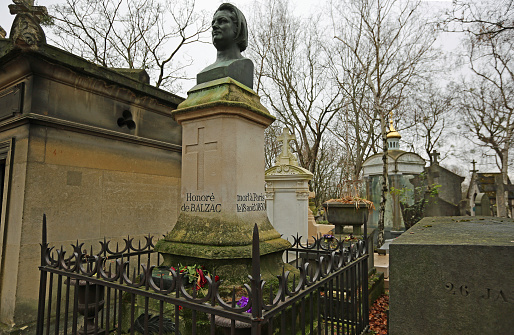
(287, 170)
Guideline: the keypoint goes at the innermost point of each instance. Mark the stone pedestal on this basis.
(222, 189)
(287, 193)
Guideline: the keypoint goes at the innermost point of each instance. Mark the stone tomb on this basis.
(287, 193)
(453, 275)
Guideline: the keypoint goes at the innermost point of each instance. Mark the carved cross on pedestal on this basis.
(200, 147)
(435, 157)
(27, 7)
(474, 167)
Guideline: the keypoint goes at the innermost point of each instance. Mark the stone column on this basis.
(222, 190)
(287, 193)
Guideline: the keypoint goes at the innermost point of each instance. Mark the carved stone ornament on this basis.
(287, 170)
(302, 195)
(25, 29)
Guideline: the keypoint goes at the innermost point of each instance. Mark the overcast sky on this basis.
(201, 54)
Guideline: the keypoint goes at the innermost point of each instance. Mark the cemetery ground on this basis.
(378, 315)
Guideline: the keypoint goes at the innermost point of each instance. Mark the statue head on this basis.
(229, 28)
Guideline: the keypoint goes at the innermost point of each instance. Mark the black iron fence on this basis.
(117, 290)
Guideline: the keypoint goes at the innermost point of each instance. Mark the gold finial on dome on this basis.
(392, 132)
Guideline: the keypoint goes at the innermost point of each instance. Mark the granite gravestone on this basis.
(453, 275)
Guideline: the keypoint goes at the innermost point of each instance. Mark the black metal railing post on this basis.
(256, 283)
(365, 277)
(42, 282)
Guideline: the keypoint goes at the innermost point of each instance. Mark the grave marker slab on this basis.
(453, 275)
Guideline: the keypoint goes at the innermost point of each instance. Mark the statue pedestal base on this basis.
(222, 188)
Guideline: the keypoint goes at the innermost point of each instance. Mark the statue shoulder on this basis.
(240, 69)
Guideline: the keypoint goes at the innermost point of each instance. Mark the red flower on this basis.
(173, 268)
(201, 279)
(216, 278)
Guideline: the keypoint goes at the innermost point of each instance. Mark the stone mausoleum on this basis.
(403, 167)
(95, 149)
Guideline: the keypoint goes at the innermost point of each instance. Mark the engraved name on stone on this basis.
(485, 294)
(204, 203)
(251, 202)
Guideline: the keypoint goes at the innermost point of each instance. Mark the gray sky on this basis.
(204, 54)
(201, 54)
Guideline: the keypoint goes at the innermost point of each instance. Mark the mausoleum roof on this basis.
(54, 55)
(400, 162)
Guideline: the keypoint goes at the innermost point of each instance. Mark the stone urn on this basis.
(344, 214)
(93, 306)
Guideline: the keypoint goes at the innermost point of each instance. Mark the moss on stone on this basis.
(54, 55)
(220, 230)
(459, 230)
(223, 92)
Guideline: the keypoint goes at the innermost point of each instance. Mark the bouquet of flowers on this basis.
(195, 274)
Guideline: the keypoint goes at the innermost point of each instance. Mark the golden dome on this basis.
(392, 132)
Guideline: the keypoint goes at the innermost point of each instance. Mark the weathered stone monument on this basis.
(287, 192)
(449, 195)
(483, 193)
(96, 150)
(453, 275)
(222, 187)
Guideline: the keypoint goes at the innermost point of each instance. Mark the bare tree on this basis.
(135, 34)
(483, 19)
(390, 40)
(355, 128)
(487, 101)
(489, 122)
(292, 77)
(272, 146)
(430, 114)
(332, 170)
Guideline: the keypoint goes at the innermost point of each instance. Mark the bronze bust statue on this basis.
(230, 38)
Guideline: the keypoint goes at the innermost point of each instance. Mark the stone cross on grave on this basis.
(435, 157)
(25, 29)
(474, 167)
(286, 156)
(27, 7)
(200, 147)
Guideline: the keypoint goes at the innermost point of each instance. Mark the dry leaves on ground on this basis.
(378, 316)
